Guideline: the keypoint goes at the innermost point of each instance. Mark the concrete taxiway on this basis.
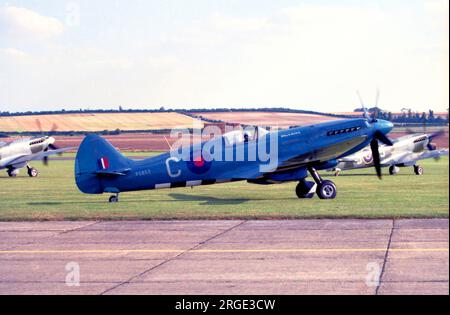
(226, 257)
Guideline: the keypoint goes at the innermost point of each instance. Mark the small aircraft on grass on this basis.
(19, 153)
(100, 168)
(405, 151)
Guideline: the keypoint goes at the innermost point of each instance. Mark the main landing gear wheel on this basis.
(326, 190)
(393, 170)
(13, 173)
(114, 198)
(337, 172)
(32, 172)
(305, 189)
(418, 170)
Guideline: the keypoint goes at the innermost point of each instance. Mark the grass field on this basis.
(54, 196)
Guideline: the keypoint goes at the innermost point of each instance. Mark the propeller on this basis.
(375, 147)
(378, 135)
(53, 129)
(431, 137)
(51, 145)
(366, 113)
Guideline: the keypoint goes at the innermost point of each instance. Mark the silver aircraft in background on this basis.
(19, 153)
(405, 152)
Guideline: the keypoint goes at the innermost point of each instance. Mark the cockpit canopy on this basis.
(247, 134)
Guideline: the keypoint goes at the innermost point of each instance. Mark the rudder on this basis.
(96, 155)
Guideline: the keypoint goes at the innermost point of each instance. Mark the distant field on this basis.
(96, 122)
(54, 196)
(282, 120)
(126, 142)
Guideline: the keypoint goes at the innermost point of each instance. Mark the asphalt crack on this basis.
(173, 258)
(386, 256)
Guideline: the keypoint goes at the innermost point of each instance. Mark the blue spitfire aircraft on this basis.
(100, 168)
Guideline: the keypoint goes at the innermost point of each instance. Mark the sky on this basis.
(307, 54)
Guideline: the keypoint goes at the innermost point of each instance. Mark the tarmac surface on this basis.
(226, 257)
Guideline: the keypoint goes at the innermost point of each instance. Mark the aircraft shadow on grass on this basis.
(360, 175)
(205, 200)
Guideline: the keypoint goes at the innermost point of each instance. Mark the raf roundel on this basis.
(367, 157)
(199, 164)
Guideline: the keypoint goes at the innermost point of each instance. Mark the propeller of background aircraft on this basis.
(51, 146)
(431, 137)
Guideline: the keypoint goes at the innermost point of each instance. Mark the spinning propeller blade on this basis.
(375, 147)
(431, 137)
(53, 147)
(39, 125)
(366, 113)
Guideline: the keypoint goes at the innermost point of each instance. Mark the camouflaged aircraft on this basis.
(19, 153)
(405, 152)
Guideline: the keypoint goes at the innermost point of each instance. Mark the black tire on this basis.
(32, 172)
(113, 199)
(303, 190)
(11, 174)
(418, 170)
(393, 170)
(326, 190)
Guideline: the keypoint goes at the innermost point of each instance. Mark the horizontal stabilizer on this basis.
(121, 172)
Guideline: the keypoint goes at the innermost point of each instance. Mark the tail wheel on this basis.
(326, 190)
(418, 170)
(32, 172)
(114, 199)
(305, 190)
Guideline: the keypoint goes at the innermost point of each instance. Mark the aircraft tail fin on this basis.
(97, 159)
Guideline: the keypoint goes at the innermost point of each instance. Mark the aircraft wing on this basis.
(39, 156)
(42, 155)
(349, 159)
(321, 155)
(16, 160)
(242, 173)
(412, 158)
(294, 163)
(399, 158)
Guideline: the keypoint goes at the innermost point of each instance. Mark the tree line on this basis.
(408, 116)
